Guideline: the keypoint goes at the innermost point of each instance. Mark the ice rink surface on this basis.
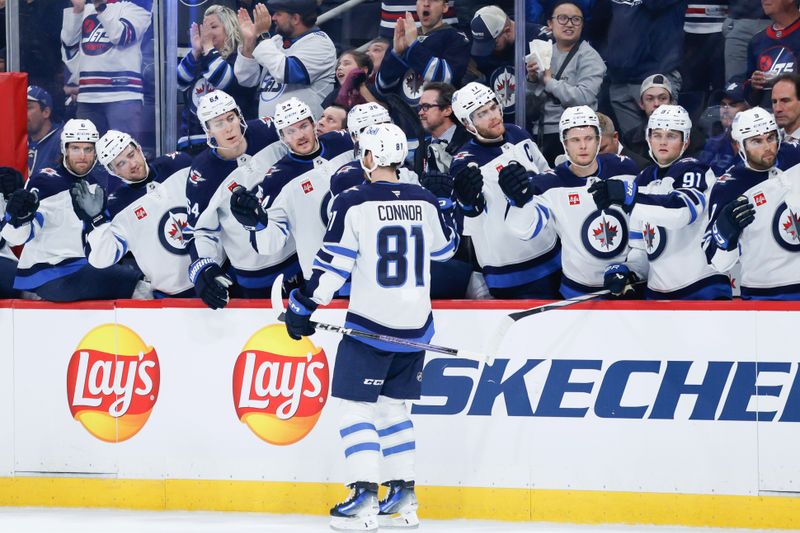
(48, 520)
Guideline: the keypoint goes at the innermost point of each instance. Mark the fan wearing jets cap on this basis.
(146, 215)
(239, 153)
(755, 211)
(560, 199)
(43, 134)
(53, 263)
(667, 205)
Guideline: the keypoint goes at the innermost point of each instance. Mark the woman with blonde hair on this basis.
(208, 67)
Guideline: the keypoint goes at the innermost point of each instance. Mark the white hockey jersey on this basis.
(384, 235)
(148, 218)
(303, 67)
(215, 232)
(590, 239)
(667, 226)
(294, 193)
(104, 49)
(5, 249)
(507, 262)
(767, 248)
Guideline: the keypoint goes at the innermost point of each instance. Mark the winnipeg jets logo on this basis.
(786, 228)
(270, 89)
(94, 41)
(605, 233)
(170, 231)
(655, 239)
(412, 85)
(504, 83)
(347, 168)
(195, 178)
(49, 172)
(200, 89)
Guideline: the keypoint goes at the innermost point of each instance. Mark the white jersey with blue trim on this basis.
(294, 192)
(105, 50)
(54, 238)
(506, 261)
(5, 249)
(383, 236)
(148, 218)
(590, 239)
(303, 67)
(215, 232)
(768, 248)
(667, 226)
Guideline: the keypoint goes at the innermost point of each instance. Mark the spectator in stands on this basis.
(721, 152)
(334, 117)
(786, 105)
(574, 77)
(349, 60)
(43, 135)
(773, 51)
(298, 61)
(376, 50)
(644, 37)
(447, 134)
(493, 45)
(209, 66)
(610, 143)
(102, 47)
(655, 91)
(703, 68)
(436, 53)
(394, 10)
(745, 19)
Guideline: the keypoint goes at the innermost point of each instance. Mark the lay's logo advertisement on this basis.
(113, 380)
(280, 385)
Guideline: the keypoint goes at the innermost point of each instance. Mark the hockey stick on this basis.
(277, 304)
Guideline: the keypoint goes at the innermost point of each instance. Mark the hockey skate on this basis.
(360, 511)
(399, 508)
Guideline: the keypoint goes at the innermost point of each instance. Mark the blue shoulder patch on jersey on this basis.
(260, 133)
(515, 134)
(349, 175)
(611, 165)
(788, 154)
(335, 142)
(51, 181)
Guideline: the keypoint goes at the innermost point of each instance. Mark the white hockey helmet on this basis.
(468, 99)
(578, 117)
(363, 115)
(749, 123)
(78, 130)
(111, 145)
(214, 104)
(386, 142)
(290, 112)
(669, 117)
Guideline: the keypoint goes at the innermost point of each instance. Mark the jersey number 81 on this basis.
(392, 267)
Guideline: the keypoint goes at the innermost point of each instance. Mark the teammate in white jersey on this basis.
(10, 181)
(289, 200)
(511, 268)
(146, 214)
(559, 199)
(667, 205)
(755, 211)
(384, 234)
(239, 154)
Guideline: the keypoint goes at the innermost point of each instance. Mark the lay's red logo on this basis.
(280, 385)
(113, 380)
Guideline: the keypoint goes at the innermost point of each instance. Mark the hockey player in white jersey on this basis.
(289, 202)
(146, 214)
(667, 206)
(239, 154)
(755, 211)
(10, 182)
(384, 234)
(591, 237)
(53, 262)
(511, 268)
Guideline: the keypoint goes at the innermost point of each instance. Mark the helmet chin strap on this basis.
(72, 171)
(571, 162)
(473, 130)
(368, 170)
(665, 165)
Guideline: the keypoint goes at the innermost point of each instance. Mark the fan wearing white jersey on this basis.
(384, 234)
(512, 268)
(289, 202)
(239, 153)
(755, 211)
(667, 206)
(591, 237)
(146, 214)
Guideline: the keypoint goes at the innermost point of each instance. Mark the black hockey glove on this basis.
(441, 185)
(516, 184)
(610, 192)
(298, 315)
(619, 279)
(10, 181)
(246, 208)
(89, 206)
(210, 282)
(733, 218)
(468, 184)
(21, 207)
